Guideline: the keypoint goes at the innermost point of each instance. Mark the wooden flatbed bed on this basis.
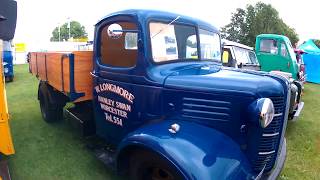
(67, 72)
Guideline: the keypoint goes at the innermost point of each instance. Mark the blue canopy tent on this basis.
(311, 60)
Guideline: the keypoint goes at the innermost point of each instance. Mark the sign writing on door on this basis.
(114, 110)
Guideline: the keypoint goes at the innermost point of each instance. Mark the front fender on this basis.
(197, 151)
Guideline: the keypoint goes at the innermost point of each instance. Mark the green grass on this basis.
(303, 139)
(45, 151)
(55, 151)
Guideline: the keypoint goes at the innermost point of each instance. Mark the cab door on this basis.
(117, 92)
(273, 55)
(6, 146)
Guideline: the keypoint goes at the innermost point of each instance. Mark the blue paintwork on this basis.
(191, 151)
(210, 102)
(8, 63)
(73, 95)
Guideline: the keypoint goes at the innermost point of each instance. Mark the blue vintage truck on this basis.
(155, 93)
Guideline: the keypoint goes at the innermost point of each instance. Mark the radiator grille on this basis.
(213, 110)
(270, 139)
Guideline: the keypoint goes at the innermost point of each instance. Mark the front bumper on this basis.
(298, 111)
(272, 175)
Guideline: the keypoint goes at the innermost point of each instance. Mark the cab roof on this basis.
(274, 36)
(145, 15)
(232, 43)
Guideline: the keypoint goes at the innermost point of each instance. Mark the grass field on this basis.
(55, 152)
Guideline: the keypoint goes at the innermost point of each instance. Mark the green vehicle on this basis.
(275, 53)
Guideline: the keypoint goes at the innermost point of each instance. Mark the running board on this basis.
(104, 152)
(107, 157)
(83, 123)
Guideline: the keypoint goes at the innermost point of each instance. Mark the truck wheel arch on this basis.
(188, 150)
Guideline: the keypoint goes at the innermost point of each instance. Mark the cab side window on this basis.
(269, 46)
(227, 59)
(284, 51)
(191, 47)
(118, 47)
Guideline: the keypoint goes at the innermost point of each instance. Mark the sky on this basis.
(37, 18)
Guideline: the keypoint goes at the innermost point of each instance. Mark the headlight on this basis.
(266, 112)
(6, 70)
(262, 112)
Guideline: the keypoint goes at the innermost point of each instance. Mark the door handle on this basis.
(93, 74)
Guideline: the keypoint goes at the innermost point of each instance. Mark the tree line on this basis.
(76, 31)
(256, 19)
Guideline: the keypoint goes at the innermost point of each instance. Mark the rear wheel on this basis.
(50, 111)
(145, 165)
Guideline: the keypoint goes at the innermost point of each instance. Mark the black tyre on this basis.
(50, 111)
(145, 165)
(9, 78)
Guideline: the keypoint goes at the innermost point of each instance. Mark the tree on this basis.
(262, 18)
(237, 29)
(76, 31)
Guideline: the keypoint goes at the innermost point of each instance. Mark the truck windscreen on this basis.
(174, 42)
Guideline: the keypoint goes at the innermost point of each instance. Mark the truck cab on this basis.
(165, 105)
(239, 56)
(275, 53)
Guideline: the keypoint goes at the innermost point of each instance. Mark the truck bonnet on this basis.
(213, 77)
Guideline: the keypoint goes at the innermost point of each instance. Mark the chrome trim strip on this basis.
(206, 106)
(270, 135)
(267, 153)
(276, 115)
(206, 100)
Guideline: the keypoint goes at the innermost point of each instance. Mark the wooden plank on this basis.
(41, 66)
(33, 63)
(83, 65)
(55, 66)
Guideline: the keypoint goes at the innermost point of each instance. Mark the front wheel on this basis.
(145, 165)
